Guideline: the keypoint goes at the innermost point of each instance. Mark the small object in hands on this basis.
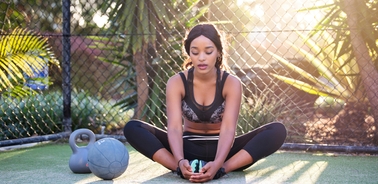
(197, 165)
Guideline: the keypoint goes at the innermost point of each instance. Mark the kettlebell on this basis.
(79, 159)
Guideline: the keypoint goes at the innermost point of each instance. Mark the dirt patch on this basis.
(351, 126)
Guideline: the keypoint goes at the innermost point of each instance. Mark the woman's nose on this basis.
(202, 56)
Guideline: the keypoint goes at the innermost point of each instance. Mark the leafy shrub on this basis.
(90, 112)
(42, 114)
(265, 107)
(33, 115)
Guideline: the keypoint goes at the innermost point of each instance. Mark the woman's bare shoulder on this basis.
(175, 84)
(176, 78)
(232, 85)
(232, 80)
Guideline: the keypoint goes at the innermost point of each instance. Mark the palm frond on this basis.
(339, 74)
(22, 54)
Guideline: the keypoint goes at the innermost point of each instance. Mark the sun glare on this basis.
(240, 2)
(101, 20)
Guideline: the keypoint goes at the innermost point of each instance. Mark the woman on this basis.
(206, 99)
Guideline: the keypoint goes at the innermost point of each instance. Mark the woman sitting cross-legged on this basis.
(203, 104)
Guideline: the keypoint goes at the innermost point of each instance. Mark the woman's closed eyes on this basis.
(208, 53)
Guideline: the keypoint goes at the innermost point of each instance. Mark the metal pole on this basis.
(66, 67)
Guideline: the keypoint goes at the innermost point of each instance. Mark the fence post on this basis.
(66, 67)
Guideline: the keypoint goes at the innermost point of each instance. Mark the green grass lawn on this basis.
(48, 163)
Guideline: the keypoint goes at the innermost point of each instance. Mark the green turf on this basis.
(48, 163)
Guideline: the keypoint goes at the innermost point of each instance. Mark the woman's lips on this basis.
(202, 67)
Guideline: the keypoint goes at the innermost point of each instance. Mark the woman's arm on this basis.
(174, 94)
(232, 93)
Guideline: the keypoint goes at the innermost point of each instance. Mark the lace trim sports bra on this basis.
(198, 113)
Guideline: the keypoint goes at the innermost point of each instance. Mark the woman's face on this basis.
(203, 54)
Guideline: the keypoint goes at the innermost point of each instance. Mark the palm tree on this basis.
(145, 26)
(359, 41)
(369, 73)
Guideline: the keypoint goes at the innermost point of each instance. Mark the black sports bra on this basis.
(198, 113)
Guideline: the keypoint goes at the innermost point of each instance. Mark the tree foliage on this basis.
(23, 53)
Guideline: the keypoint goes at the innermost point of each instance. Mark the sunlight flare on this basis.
(312, 174)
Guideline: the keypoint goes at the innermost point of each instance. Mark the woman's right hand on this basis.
(185, 168)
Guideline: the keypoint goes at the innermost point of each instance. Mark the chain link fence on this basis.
(116, 56)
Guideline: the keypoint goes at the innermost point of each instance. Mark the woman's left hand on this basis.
(207, 173)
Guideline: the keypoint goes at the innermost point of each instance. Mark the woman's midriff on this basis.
(201, 128)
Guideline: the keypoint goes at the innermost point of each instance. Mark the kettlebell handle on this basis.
(74, 135)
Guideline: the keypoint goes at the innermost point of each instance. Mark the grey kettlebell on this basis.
(79, 159)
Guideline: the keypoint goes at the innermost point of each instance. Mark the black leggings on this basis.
(259, 143)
